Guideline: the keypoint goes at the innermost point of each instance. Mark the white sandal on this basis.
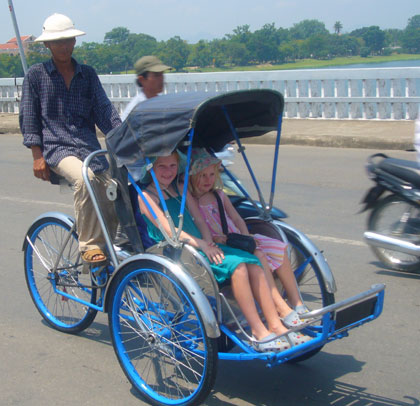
(271, 343)
(293, 320)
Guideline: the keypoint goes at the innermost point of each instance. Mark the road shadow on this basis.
(313, 382)
(97, 332)
(392, 272)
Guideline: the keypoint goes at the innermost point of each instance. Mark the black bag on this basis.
(234, 240)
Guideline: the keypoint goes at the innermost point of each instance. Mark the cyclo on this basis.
(169, 320)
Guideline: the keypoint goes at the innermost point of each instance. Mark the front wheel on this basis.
(159, 336)
(395, 217)
(53, 269)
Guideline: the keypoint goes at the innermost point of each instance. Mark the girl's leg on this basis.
(243, 294)
(263, 295)
(288, 280)
(282, 307)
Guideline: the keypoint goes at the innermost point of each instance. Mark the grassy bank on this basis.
(307, 64)
(313, 63)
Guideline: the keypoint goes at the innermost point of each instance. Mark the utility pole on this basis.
(19, 41)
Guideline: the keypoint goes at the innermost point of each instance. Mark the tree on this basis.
(411, 40)
(343, 45)
(175, 52)
(338, 27)
(138, 45)
(237, 53)
(374, 38)
(10, 66)
(116, 36)
(317, 46)
(264, 43)
(200, 55)
(218, 52)
(241, 34)
(307, 28)
(393, 37)
(414, 22)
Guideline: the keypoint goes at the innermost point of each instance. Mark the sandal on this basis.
(89, 256)
(297, 338)
(293, 320)
(271, 344)
(301, 309)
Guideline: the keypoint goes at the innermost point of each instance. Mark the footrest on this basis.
(355, 313)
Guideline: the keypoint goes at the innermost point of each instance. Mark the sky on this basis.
(193, 20)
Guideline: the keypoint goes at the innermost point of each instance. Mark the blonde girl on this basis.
(204, 181)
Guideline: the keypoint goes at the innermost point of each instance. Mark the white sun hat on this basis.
(58, 26)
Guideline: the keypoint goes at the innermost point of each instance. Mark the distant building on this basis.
(11, 47)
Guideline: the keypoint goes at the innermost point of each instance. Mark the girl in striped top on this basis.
(204, 180)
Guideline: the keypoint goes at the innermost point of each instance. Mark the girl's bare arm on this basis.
(234, 215)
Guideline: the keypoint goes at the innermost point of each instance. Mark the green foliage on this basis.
(116, 36)
(10, 66)
(414, 22)
(411, 40)
(374, 39)
(308, 39)
(364, 52)
(174, 52)
(393, 37)
(307, 28)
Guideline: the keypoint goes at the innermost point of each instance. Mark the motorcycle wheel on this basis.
(398, 218)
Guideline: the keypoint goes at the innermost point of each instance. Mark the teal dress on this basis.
(233, 256)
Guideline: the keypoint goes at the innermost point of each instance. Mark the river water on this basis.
(393, 64)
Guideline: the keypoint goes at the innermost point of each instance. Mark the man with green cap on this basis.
(149, 70)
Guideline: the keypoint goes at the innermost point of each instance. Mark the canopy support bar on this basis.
(242, 151)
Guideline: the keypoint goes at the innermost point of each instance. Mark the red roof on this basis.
(22, 38)
(9, 46)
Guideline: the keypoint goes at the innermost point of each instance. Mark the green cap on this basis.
(150, 63)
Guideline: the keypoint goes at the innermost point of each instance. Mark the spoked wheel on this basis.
(46, 282)
(159, 336)
(396, 217)
(311, 283)
(308, 276)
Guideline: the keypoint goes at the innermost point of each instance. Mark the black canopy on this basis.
(156, 126)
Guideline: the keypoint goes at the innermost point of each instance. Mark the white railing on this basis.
(376, 93)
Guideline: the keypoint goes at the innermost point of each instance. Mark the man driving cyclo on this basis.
(62, 101)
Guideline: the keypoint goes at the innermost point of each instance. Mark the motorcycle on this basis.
(394, 221)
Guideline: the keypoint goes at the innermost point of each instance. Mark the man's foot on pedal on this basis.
(94, 257)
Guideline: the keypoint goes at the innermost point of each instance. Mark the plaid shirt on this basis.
(62, 121)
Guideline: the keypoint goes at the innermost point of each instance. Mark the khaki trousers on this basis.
(87, 224)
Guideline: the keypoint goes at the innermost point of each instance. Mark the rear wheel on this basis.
(395, 217)
(308, 275)
(159, 336)
(46, 283)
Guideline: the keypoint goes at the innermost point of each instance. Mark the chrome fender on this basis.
(191, 286)
(65, 218)
(316, 254)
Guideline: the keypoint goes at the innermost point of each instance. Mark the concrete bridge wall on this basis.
(366, 94)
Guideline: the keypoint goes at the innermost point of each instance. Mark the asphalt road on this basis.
(319, 188)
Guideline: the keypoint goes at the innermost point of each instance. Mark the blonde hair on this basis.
(194, 180)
